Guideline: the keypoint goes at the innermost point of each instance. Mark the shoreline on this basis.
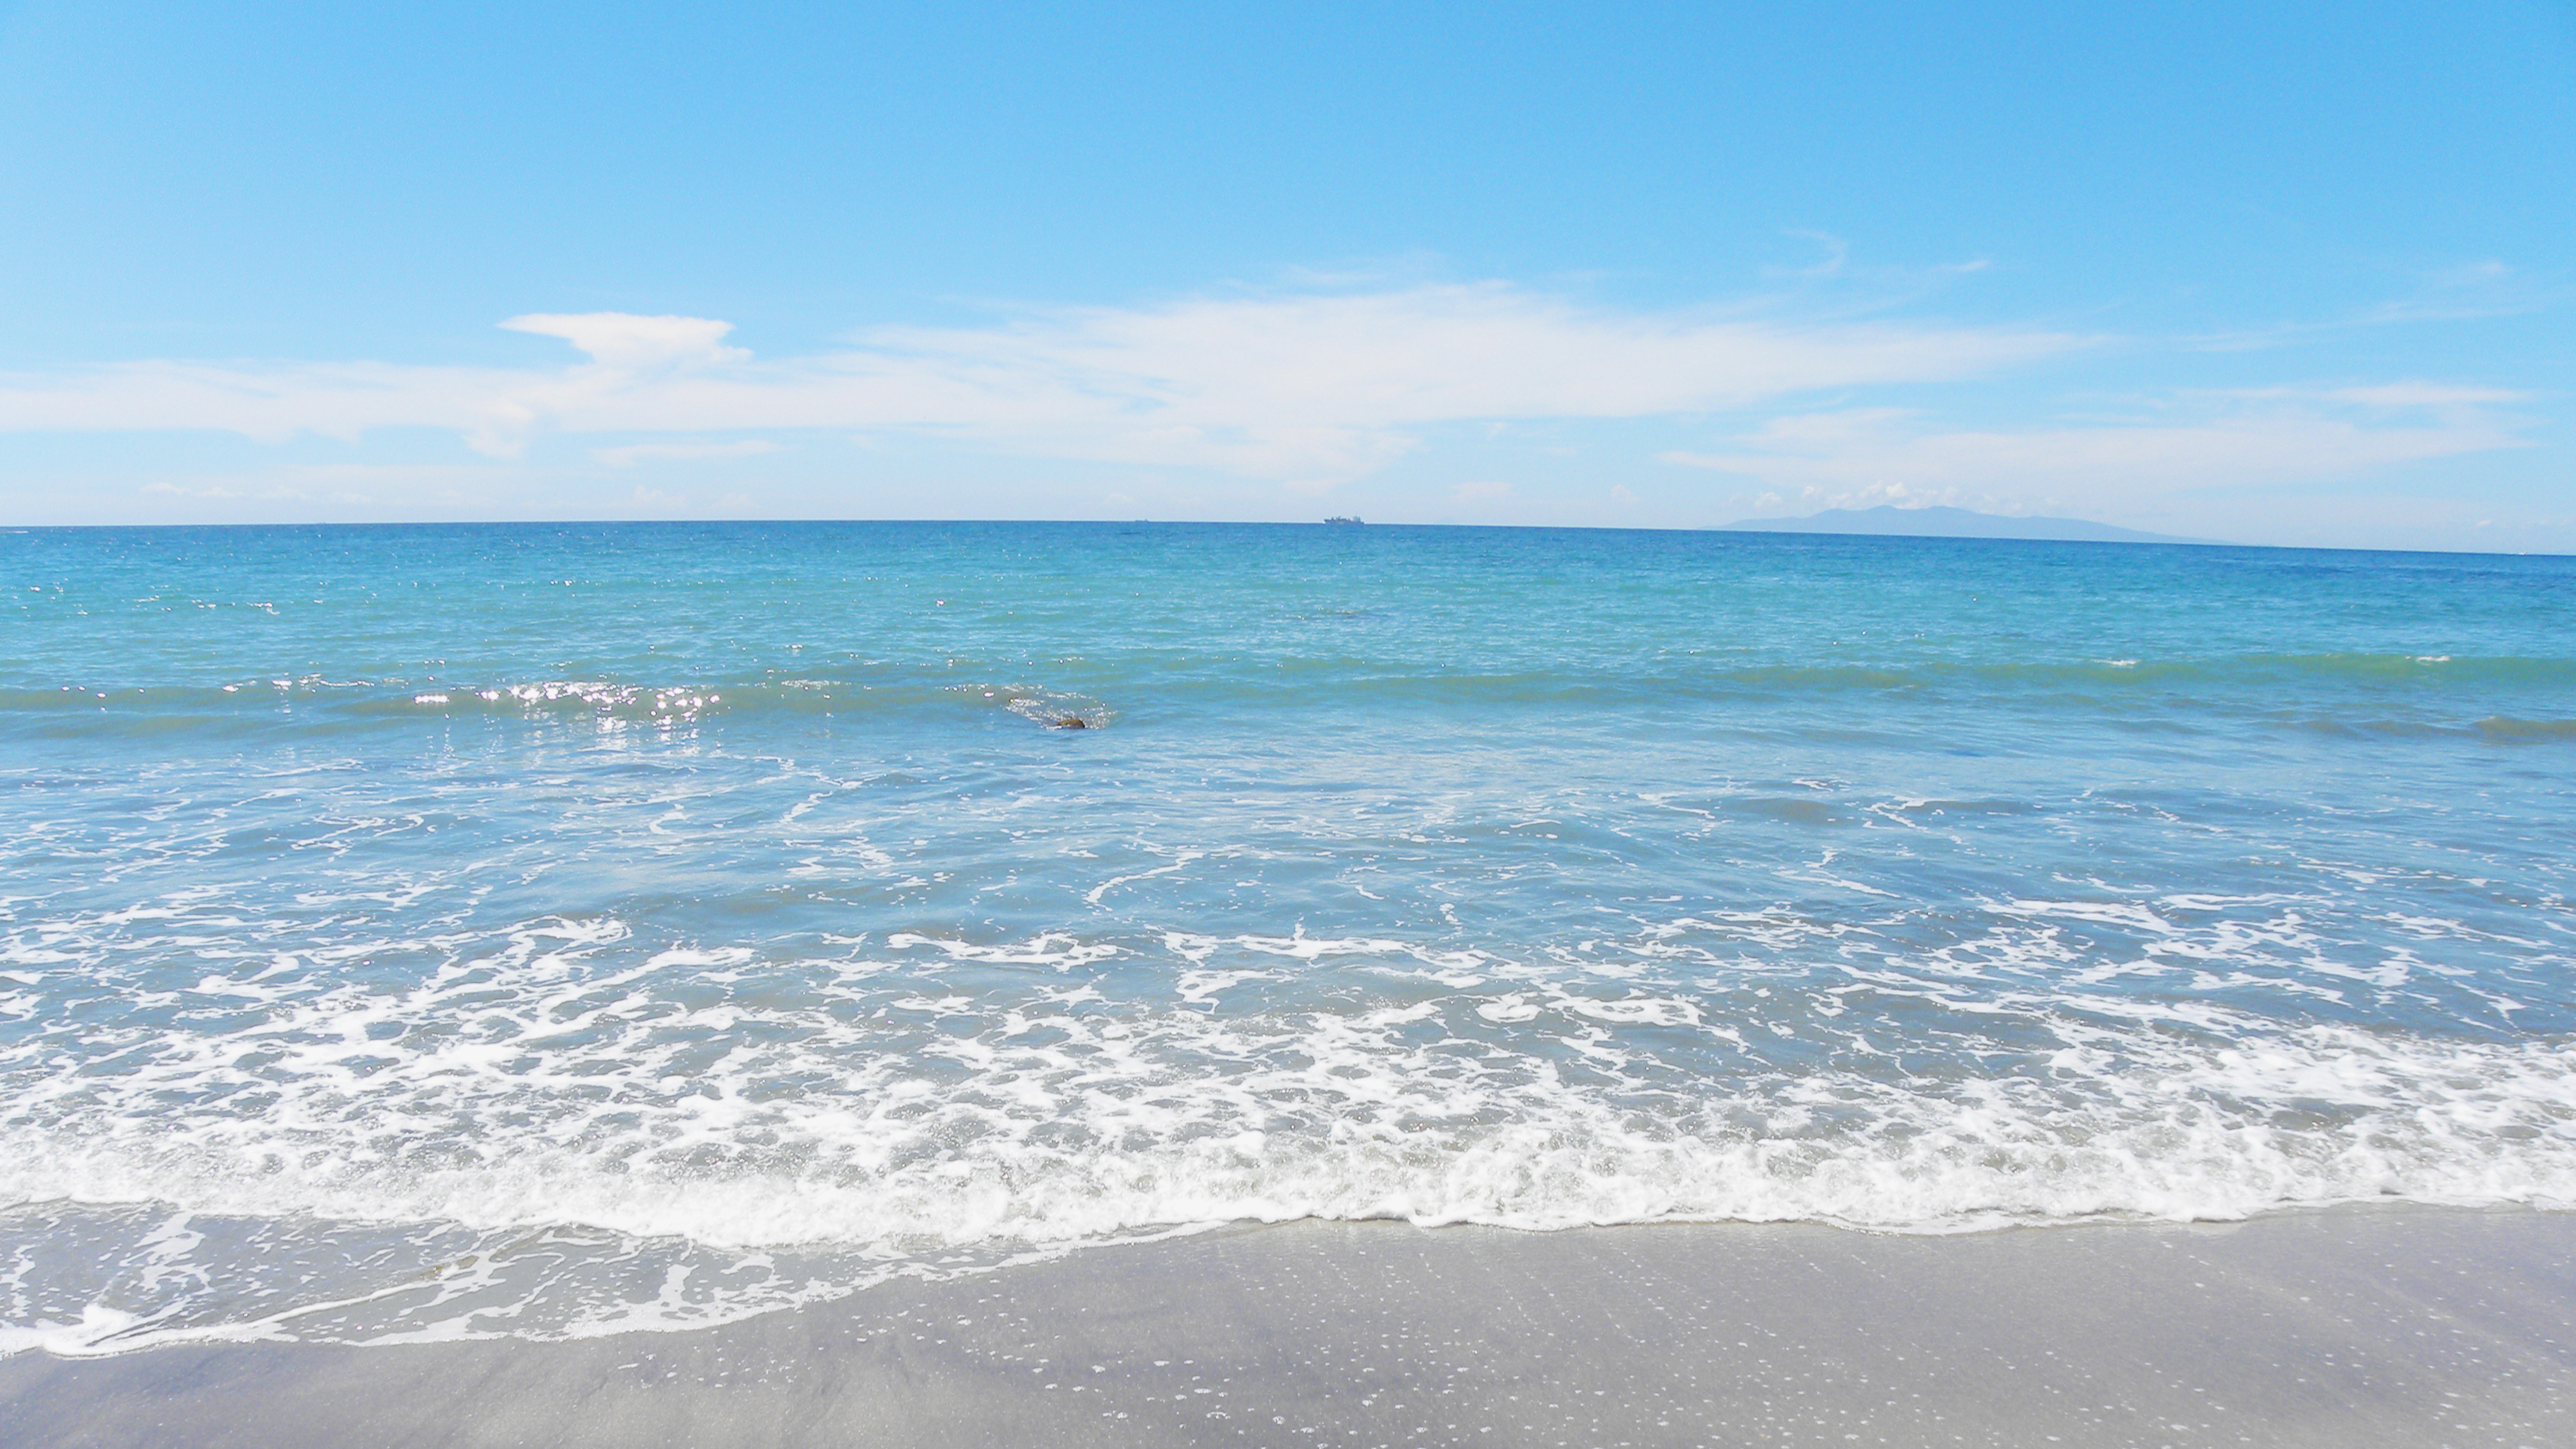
(2394, 1325)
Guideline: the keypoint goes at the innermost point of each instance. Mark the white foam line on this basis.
(1092, 897)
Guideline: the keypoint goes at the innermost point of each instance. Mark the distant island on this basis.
(1942, 522)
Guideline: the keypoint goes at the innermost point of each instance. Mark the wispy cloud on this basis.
(1837, 265)
(2425, 395)
(1857, 457)
(626, 341)
(634, 453)
(1296, 387)
(1837, 254)
(2469, 292)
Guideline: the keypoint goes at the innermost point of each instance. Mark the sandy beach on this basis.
(2396, 1326)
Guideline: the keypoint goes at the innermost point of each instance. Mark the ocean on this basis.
(417, 933)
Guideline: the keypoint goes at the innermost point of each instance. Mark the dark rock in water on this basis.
(1073, 722)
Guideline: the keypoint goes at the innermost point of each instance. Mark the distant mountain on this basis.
(1936, 522)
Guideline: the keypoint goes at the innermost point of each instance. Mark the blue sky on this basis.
(2269, 273)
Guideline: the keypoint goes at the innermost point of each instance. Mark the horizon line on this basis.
(1702, 529)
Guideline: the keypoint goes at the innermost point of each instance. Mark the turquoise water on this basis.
(420, 932)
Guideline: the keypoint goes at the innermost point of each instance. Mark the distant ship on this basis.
(1342, 520)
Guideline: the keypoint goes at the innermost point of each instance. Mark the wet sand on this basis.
(2414, 1327)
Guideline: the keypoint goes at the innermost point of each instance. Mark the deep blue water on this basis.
(412, 932)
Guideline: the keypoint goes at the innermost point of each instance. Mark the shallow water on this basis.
(427, 932)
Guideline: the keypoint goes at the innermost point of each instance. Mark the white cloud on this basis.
(634, 453)
(1306, 389)
(2407, 394)
(625, 341)
(1302, 388)
(165, 489)
(1862, 456)
(2424, 395)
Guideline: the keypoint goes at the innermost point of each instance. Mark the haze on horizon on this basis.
(2277, 273)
